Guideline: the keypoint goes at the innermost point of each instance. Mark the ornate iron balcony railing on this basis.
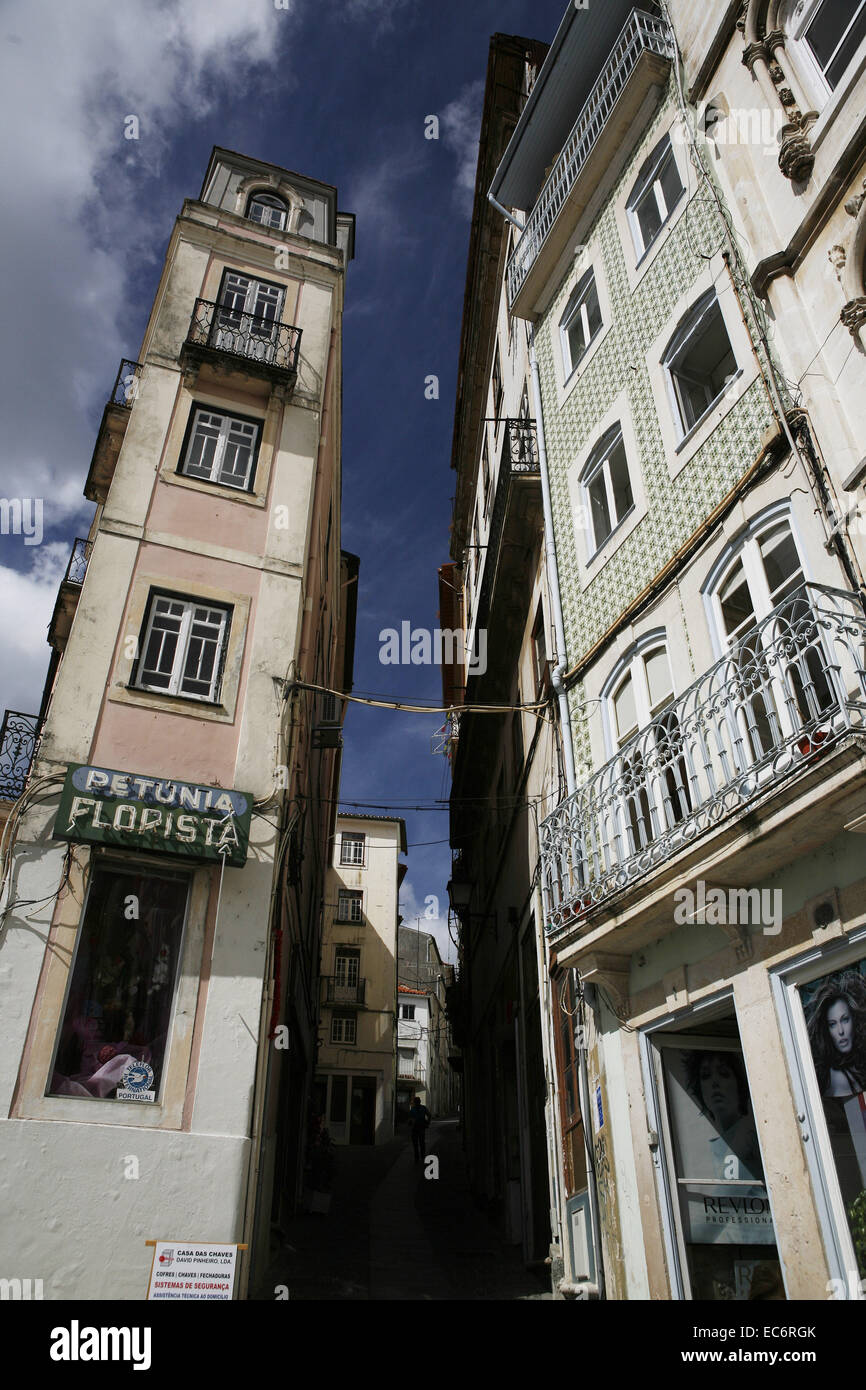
(642, 33)
(125, 387)
(519, 460)
(78, 560)
(19, 736)
(785, 691)
(338, 992)
(520, 448)
(216, 328)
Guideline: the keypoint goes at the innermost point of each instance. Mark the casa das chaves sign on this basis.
(128, 809)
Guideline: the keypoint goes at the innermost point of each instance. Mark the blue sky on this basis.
(338, 91)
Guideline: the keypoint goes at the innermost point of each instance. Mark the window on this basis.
(407, 1010)
(352, 847)
(725, 1242)
(343, 1028)
(607, 487)
(117, 1016)
(183, 648)
(267, 209)
(221, 448)
(699, 362)
(580, 322)
(830, 33)
(349, 906)
(485, 472)
(652, 771)
(347, 964)
(657, 191)
(782, 694)
(248, 317)
(539, 650)
(497, 387)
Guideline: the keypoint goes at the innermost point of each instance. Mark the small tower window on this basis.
(268, 209)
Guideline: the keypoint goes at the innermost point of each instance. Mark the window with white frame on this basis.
(268, 209)
(606, 487)
(343, 1028)
(827, 35)
(580, 322)
(352, 847)
(350, 906)
(657, 191)
(407, 1011)
(652, 770)
(183, 647)
(699, 362)
(764, 578)
(347, 967)
(249, 315)
(221, 448)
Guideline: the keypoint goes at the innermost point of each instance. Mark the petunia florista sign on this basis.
(132, 811)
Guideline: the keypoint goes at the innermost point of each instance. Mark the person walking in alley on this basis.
(419, 1119)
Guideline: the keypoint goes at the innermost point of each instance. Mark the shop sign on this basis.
(99, 805)
(191, 1272)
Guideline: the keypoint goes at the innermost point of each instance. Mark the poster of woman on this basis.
(718, 1160)
(834, 1007)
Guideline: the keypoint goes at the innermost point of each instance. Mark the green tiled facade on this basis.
(674, 509)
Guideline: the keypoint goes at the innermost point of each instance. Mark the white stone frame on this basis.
(267, 416)
(270, 183)
(123, 692)
(567, 377)
(681, 448)
(592, 560)
(796, 20)
(167, 1112)
(638, 263)
(693, 323)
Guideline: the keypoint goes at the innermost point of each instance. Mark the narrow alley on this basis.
(392, 1234)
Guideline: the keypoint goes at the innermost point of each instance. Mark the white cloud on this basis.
(436, 924)
(460, 127)
(73, 224)
(28, 602)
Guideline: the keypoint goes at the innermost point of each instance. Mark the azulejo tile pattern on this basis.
(674, 509)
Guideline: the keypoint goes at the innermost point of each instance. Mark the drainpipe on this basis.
(552, 574)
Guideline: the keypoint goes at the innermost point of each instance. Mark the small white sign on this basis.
(134, 1095)
(192, 1272)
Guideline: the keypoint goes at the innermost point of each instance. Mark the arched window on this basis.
(657, 190)
(650, 774)
(778, 666)
(826, 35)
(699, 362)
(580, 322)
(606, 487)
(268, 209)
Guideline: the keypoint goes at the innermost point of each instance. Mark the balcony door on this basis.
(347, 965)
(777, 669)
(248, 320)
(650, 778)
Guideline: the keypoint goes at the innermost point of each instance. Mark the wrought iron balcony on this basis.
(339, 992)
(125, 388)
(19, 736)
(784, 693)
(112, 429)
(519, 469)
(68, 594)
(262, 345)
(642, 34)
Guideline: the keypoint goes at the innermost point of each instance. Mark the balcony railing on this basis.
(77, 567)
(338, 992)
(125, 387)
(643, 33)
(19, 735)
(519, 461)
(787, 689)
(410, 1071)
(263, 344)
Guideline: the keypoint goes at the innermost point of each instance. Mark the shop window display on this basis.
(725, 1226)
(118, 1008)
(835, 1013)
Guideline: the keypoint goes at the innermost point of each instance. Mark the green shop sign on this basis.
(101, 806)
